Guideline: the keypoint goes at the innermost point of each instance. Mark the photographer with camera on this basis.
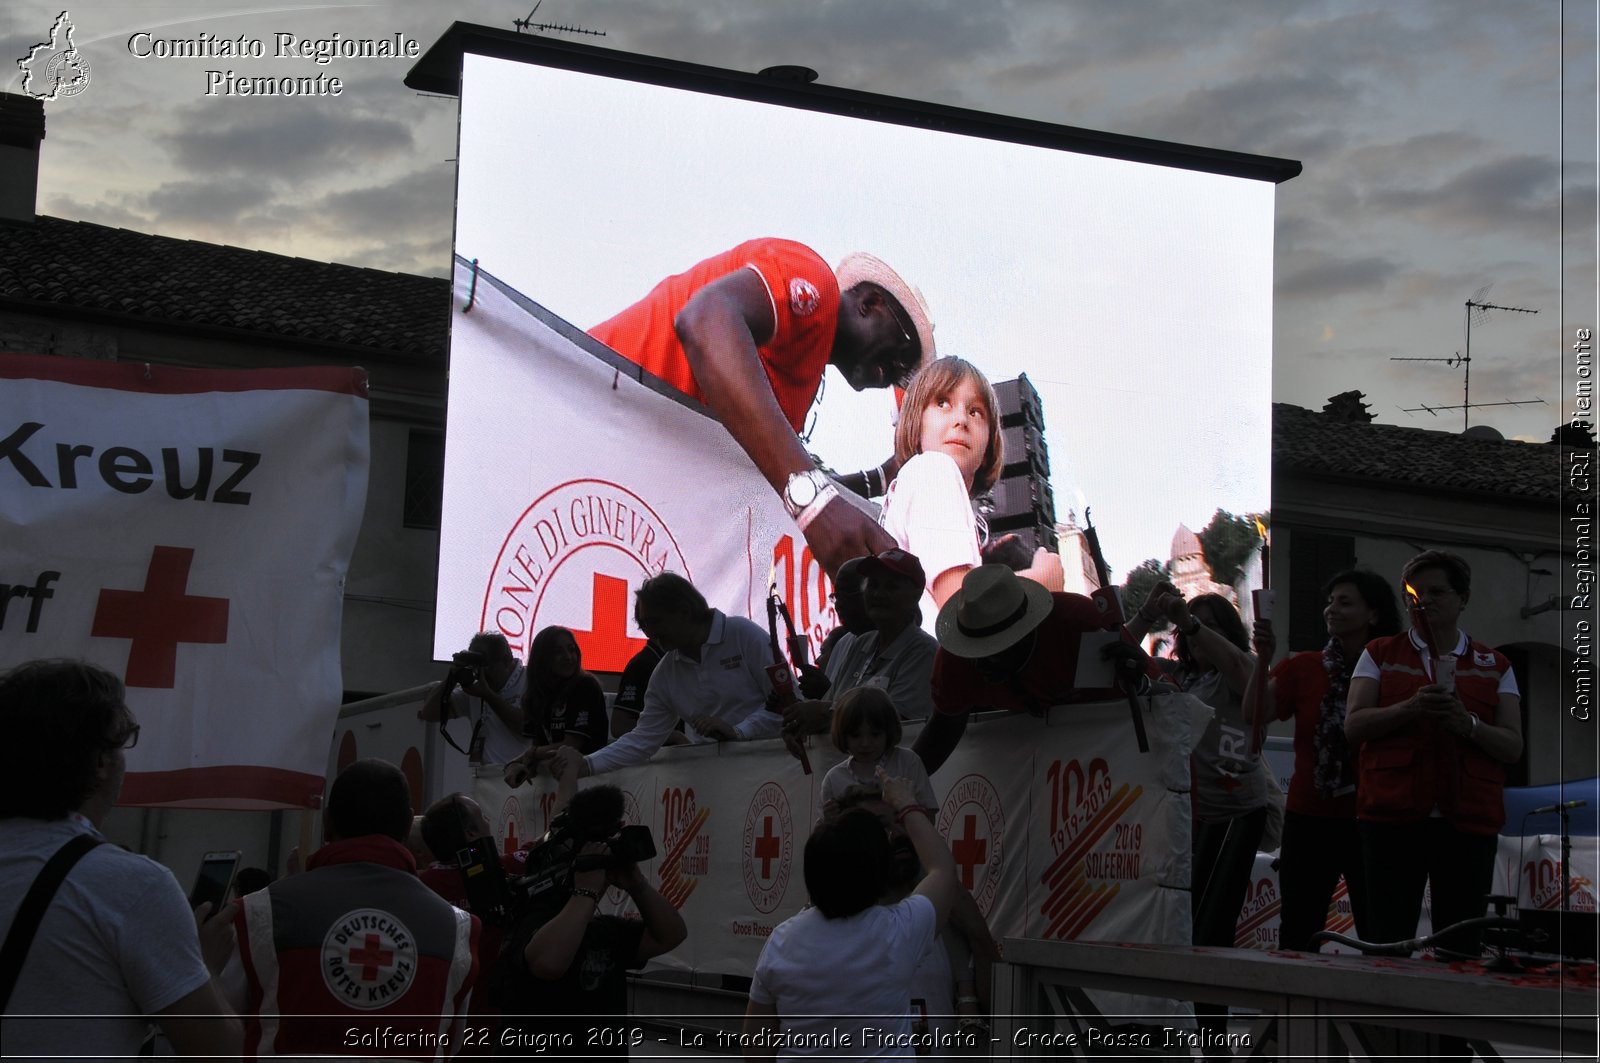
(485, 684)
(454, 828)
(563, 971)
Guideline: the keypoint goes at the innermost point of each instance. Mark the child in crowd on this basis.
(867, 728)
(949, 445)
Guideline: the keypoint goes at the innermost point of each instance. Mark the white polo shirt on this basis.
(729, 681)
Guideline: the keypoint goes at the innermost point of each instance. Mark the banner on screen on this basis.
(189, 530)
(599, 481)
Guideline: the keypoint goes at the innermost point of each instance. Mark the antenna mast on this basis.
(523, 25)
(1476, 309)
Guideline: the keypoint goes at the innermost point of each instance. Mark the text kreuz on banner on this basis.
(235, 497)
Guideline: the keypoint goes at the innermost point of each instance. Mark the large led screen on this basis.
(1136, 297)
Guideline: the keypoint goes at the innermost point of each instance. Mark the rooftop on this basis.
(1307, 442)
(52, 264)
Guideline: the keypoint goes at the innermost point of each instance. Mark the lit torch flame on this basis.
(1419, 619)
(1261, 529)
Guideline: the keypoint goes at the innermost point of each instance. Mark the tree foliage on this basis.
(1140, 582)
(1226, 543)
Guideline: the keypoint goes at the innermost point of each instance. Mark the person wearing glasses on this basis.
(1434, 738)
(114, 945)
(749, 333)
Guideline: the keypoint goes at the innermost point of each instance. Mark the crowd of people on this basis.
(1401, 738)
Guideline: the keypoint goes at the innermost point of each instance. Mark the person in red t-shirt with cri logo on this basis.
(750, 331)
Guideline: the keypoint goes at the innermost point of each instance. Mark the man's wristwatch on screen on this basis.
(806, 493)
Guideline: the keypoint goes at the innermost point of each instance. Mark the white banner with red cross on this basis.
(1059, 827)
(189, 530)
(609, 482)
(1526, 867)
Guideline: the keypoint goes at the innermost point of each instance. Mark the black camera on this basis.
(465, 669)
(591, 816)
(467, 666)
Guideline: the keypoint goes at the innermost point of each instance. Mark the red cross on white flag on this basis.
(189, 530)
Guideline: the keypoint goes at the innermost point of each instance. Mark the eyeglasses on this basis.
(127, 740)
(904, 365)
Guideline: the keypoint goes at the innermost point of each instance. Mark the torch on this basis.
(781, 676)
(1263, 611)
(1109, 603)
(1442, 675)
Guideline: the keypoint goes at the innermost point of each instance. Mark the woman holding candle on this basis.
(1435, 717)
(1320, 842)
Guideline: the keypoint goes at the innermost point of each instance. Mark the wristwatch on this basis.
(802, 489)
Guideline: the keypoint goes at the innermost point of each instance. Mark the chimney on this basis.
(21, 130)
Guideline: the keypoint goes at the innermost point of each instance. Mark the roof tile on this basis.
(159, 278)
(1307, 442)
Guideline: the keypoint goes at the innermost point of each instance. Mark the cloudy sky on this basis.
(1447, 145)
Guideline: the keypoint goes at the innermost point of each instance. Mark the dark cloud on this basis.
(1373, 46)
(881, 46)
(1312, 275)
(286, 142)
(1512, 192)
(425, 258)
(1293, 114)
(1058, 42)
(177, 204)
(1378, 163)
(418, 203)
(103, 211)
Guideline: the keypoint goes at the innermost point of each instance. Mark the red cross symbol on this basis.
(767, 848)
(606, 647)
(371, 957)
(969, 850)
(159, 617)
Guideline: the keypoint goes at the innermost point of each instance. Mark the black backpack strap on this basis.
(31, 911)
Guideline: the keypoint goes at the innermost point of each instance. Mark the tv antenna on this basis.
(1477, 310)
(525, 24)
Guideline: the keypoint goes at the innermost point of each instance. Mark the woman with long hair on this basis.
(1320, 843)
(563, 704)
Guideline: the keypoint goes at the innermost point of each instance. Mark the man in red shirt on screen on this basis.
(749, 333)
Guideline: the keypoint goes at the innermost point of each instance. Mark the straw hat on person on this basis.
(993, 611)
(858, 266)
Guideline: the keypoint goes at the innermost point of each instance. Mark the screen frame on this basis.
(439, 71)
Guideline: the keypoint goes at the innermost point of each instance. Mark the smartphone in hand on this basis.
(215, 880)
